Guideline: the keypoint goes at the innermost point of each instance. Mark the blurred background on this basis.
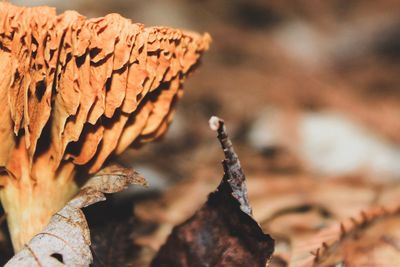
(305, 87)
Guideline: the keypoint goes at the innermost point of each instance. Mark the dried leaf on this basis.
(294, 209)
(223, 232)
(370, 239)
(66, 239)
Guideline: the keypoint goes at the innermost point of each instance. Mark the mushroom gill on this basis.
(73, 92)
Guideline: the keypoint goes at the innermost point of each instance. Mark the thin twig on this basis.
(231, 163)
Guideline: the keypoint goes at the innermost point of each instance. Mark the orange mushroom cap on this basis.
(73, 92)
(77, 89)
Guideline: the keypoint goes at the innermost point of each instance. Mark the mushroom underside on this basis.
(74, 92)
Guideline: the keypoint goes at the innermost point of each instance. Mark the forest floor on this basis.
(310, 96)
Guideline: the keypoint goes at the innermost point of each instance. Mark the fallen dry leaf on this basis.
(372, 238)
(293, 209)
(223, 232)
(66, 239)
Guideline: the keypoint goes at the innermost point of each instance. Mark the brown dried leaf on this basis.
(66, 239)
(370, 239)
(291, 208)
(223, 232)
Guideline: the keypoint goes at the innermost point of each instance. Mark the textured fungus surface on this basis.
(75, 91)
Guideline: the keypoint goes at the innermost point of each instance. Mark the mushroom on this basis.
(75, 91)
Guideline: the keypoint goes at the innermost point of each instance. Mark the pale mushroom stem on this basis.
(29, 202)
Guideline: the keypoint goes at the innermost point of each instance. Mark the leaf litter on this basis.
(223, 231)
(66, 239)
(314, 222)
(292, 220)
